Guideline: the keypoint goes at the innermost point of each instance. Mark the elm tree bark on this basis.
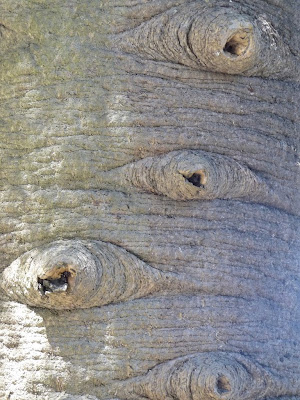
(149, 200)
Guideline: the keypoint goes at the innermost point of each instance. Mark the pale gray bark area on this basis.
(150, 152)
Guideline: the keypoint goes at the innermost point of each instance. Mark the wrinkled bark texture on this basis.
(149, 200)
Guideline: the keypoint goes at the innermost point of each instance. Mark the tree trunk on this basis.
(149, 203)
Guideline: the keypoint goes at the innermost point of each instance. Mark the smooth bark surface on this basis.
(149, 200)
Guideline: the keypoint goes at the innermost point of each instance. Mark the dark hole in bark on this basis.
(54, 285)
(223, 385)
(230, 48)
(237, 44)
(195, 179)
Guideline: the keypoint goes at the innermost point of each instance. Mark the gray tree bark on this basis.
(149, 202)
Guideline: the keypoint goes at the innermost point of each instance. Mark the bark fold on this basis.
(81, 274)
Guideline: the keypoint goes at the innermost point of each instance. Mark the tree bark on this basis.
(149, 202)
